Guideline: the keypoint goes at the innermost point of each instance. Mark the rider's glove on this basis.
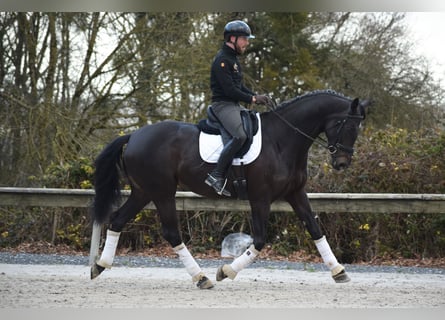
(263, 99)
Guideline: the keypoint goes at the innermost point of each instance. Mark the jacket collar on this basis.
(229, 50)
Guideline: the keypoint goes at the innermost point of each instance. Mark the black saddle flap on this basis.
(207, 127)
(250, 122)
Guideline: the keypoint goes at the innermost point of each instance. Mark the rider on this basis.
(228, 90)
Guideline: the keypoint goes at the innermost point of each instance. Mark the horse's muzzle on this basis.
(341, 162)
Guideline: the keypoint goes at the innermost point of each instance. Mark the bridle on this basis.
(332, 148)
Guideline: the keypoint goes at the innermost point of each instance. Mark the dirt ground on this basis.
(56, 286)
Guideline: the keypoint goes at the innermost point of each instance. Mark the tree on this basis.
(72, 81)
(54, 91)
(283, 60)
(366, 55)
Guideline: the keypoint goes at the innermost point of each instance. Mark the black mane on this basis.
(286, 103)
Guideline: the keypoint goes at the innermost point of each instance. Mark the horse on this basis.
(159, 157)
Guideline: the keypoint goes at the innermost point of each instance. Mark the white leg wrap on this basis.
(245, 259)
(107, 257)
(189, 262)
(326, 254)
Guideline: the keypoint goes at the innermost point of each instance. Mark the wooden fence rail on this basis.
(188, 201)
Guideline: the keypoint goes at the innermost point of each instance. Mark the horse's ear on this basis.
(365, 105)
(354, 105)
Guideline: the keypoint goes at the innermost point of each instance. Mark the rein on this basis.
(332, 148)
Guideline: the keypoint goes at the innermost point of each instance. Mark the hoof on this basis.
(341, 277)
(220, 275)
(204, 283)
(225, 271)
(96, 270)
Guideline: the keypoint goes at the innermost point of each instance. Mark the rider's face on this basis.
(241, 44)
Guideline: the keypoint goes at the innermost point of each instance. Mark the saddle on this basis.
(211, 125)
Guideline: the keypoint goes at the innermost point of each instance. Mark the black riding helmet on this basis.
(237, 28)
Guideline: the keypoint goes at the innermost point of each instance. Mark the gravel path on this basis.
(149, 262)
(53, 281)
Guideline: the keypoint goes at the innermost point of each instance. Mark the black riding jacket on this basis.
(226, 78)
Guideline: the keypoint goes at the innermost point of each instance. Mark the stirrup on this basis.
(218, 184)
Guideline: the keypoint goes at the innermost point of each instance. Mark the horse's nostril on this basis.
(340, 165)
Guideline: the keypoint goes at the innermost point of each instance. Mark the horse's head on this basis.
(342, 131)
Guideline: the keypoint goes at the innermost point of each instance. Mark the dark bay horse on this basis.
(160, 157)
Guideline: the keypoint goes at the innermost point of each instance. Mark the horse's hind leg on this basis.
(128, 211)
(260, 215)
(170, 232)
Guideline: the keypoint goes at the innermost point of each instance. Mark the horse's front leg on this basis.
(300, 204)
(260, 215)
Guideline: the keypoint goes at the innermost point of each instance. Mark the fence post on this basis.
(95, 240)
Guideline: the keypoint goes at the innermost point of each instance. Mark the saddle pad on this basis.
(210, 147)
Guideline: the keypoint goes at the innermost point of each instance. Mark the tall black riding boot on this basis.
(217, 178)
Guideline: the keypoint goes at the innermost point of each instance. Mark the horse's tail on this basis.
(107, 179)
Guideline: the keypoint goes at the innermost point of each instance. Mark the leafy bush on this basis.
(76, 174)
(387, 161)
